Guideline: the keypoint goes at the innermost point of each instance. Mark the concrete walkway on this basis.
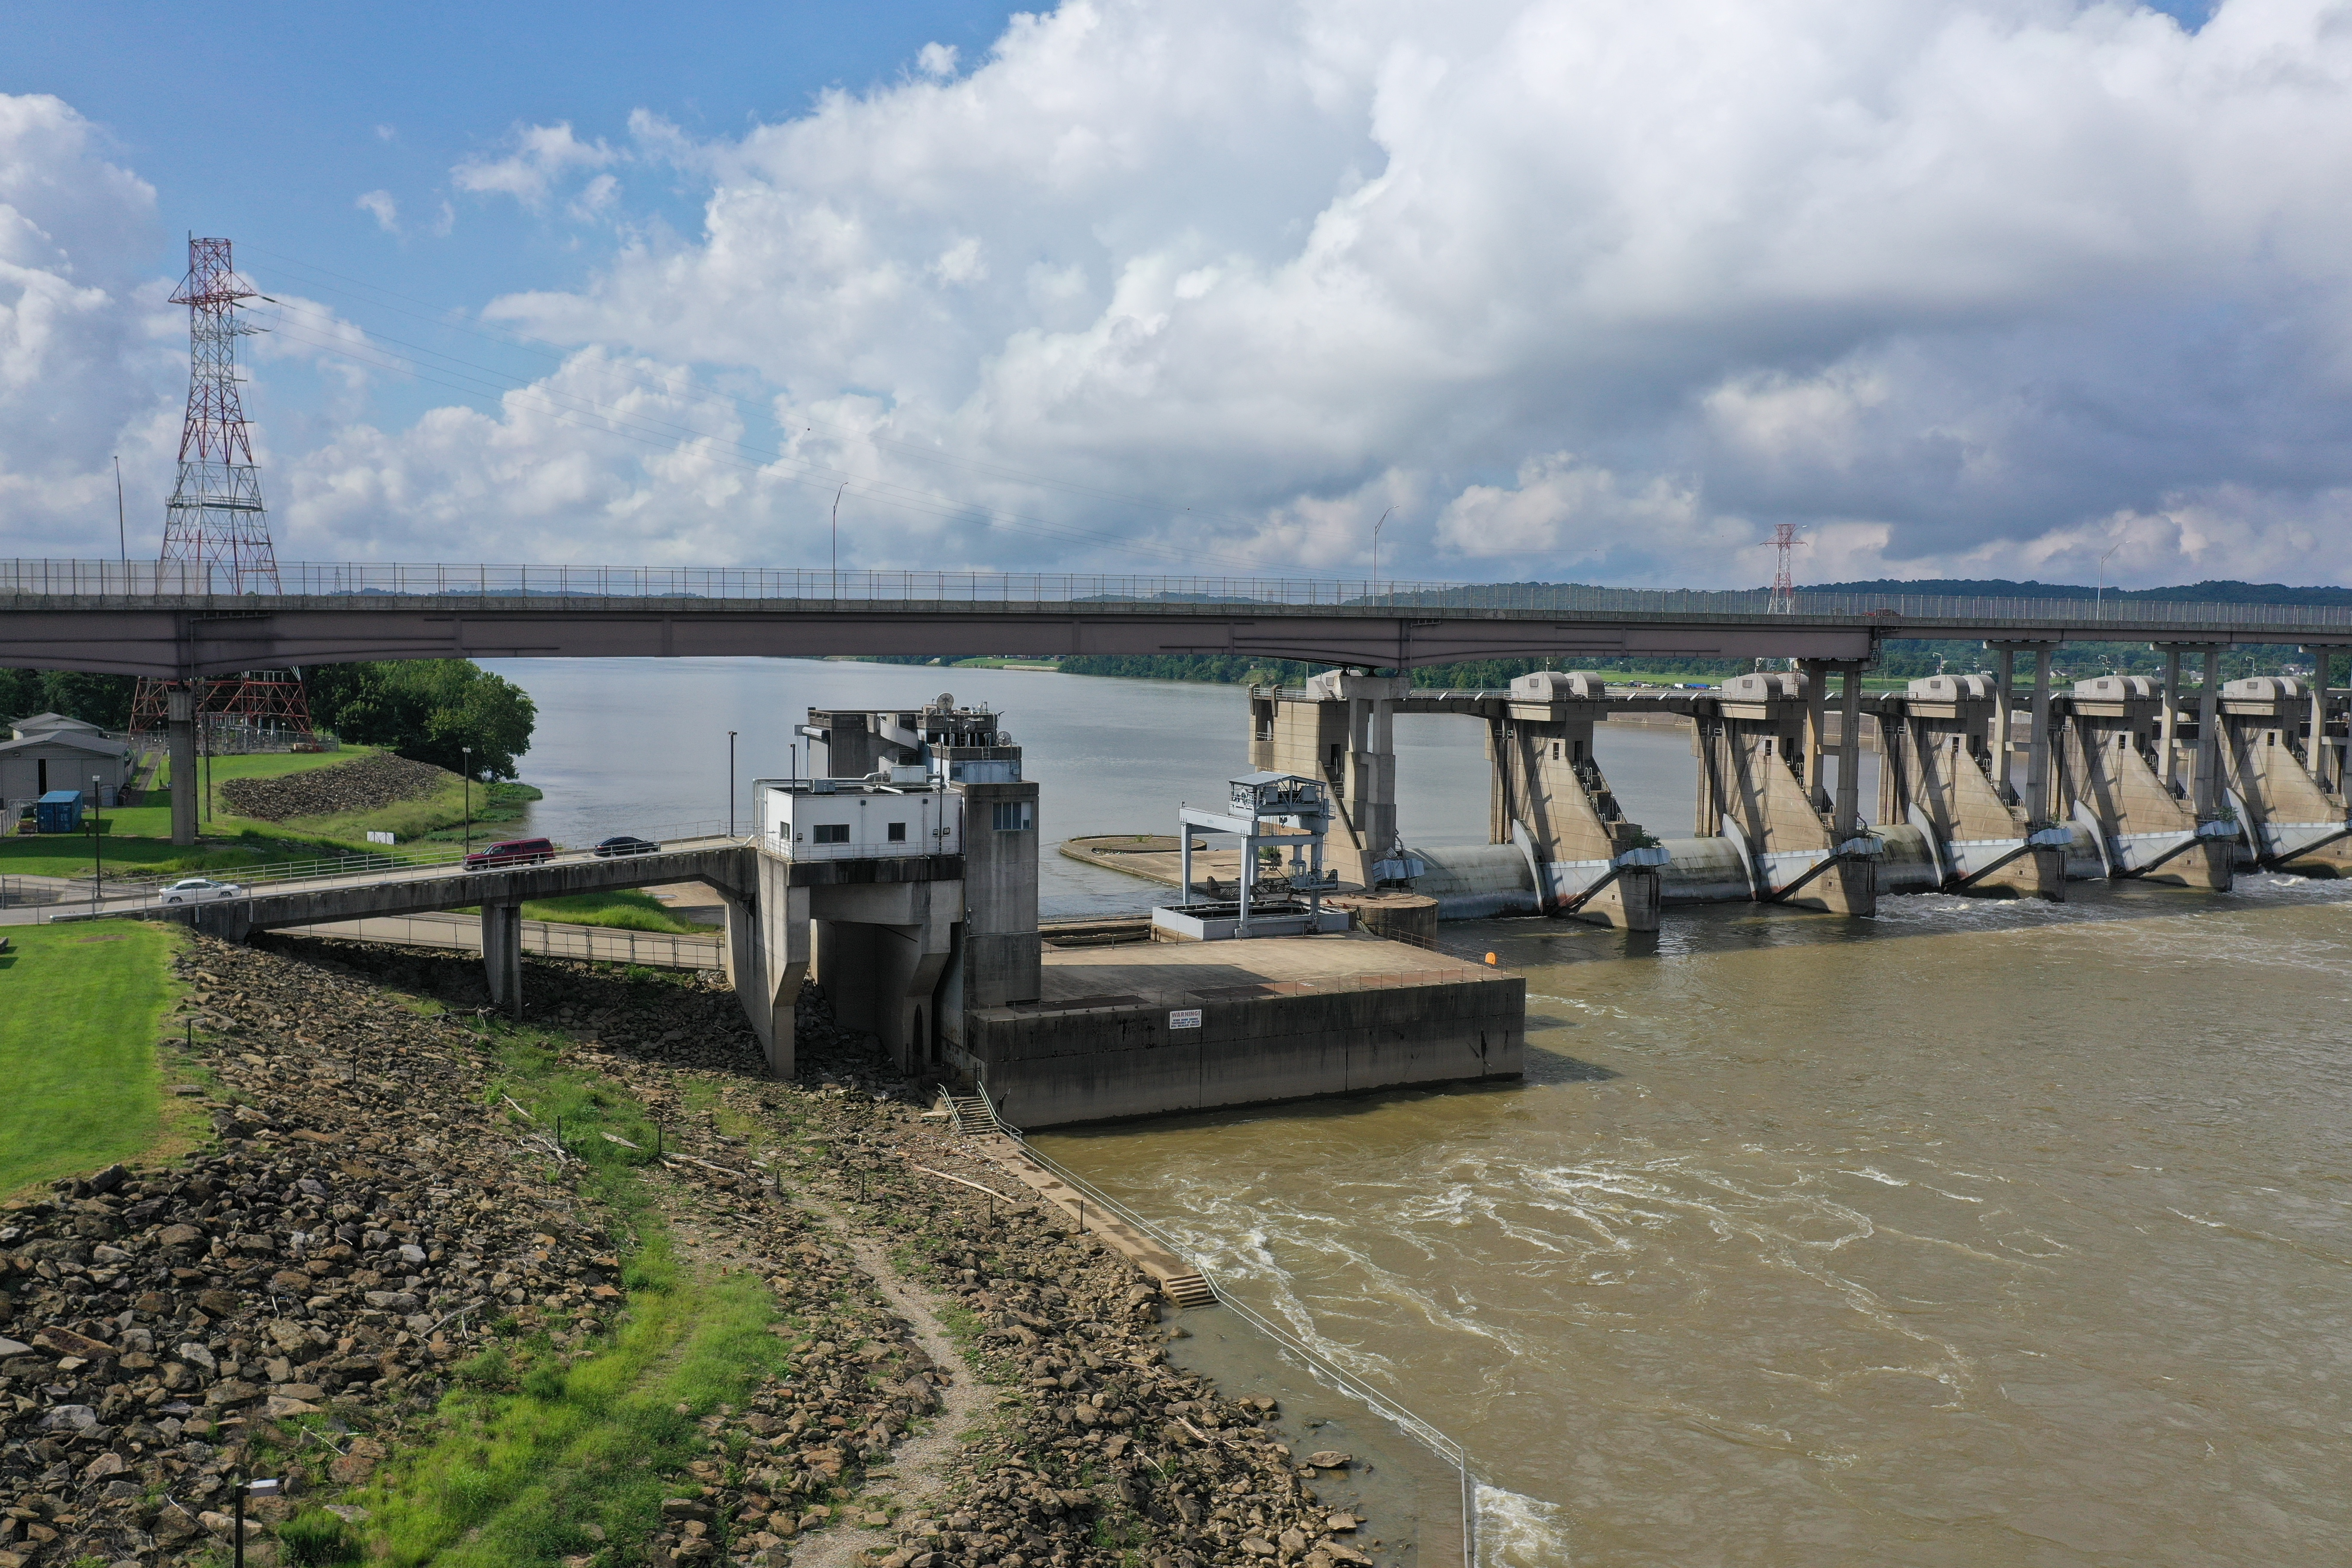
(548, 939)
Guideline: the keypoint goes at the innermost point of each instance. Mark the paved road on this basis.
(146, 900)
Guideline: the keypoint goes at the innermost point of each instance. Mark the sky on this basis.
(1597, 291)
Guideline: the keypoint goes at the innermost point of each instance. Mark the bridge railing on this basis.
(279, 876)
(801, 585)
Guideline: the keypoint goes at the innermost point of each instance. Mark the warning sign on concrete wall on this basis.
(1184, 1018)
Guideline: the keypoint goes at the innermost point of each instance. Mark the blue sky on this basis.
(264, 122)
(1590, 289)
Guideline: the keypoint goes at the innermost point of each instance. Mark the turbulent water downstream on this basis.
(1975, 1233)
(1971, 1234)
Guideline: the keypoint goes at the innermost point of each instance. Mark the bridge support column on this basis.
(179, 741)
(2169, 721)
(2208, 739)
(1817, 674)
(2317, 751)
(769, 943)
(502, 954)
(1850, 888)
(2037, 747)
(2004, 677)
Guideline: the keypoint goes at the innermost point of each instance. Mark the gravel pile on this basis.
(366, 784)
(364, 1219)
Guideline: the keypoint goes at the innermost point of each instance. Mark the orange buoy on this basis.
(1490, 958)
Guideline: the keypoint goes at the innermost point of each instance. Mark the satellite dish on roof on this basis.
(946, 699)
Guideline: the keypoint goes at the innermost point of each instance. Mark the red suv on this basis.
(512, 852)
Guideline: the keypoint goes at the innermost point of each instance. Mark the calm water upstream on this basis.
(1975, 1233)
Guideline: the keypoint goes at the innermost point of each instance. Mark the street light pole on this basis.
(731, 784)
(467, 751)
(97, 847)
(836, 539)
(2100, 596)
(1376, 552)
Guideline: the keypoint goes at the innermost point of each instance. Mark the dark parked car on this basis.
(511, 852)
(627, 844)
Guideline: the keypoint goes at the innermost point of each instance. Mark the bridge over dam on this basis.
(2133, 778)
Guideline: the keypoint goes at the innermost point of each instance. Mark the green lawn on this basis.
(628, 910)
(81, 1010)
(139, 837)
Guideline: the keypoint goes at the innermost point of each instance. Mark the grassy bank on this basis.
(80, 1009)
(628, 909)
(539, 1454)
(138, 839)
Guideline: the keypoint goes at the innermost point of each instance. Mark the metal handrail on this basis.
(510, 582)
(359, 862)
(1387, 1406)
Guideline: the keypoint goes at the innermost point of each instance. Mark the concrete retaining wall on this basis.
(1049, 1069)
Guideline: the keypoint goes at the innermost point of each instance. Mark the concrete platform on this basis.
(1139, 1029)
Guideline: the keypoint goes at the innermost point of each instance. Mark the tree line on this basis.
(428, 710)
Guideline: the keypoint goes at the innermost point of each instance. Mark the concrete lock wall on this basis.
(1053, 1069)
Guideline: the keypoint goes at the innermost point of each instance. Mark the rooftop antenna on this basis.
(1784, 586)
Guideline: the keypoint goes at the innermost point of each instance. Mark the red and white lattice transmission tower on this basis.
(215, 522)
(1784, 586)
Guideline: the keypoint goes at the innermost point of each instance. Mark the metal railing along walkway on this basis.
(808, 586)
(139, 893)
(548, 939)
(981, 1117)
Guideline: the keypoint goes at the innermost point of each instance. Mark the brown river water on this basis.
(1974, 1233)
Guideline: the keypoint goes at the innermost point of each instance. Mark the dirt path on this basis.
(918, 1466)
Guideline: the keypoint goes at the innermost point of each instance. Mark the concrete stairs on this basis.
(1179, 1279)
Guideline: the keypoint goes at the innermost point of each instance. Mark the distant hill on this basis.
(2228, 592)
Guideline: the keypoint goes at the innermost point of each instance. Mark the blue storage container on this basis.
(59, 811)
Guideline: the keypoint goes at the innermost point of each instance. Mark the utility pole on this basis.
(97, 847)
(468, 752)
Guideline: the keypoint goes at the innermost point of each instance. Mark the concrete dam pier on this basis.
(1984, 787)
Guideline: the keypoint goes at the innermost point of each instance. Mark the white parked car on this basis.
(196, 890)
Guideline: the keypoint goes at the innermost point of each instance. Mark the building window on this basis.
(830, 833)
(897, 832)
(1015, 816)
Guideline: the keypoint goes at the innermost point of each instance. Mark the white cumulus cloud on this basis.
(90, 361)
(1566, 288)
(543, 156)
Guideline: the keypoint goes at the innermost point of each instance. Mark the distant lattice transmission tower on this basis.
(1784, 586)
(215, 522)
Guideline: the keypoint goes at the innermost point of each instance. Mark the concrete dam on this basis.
(1985, 787)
